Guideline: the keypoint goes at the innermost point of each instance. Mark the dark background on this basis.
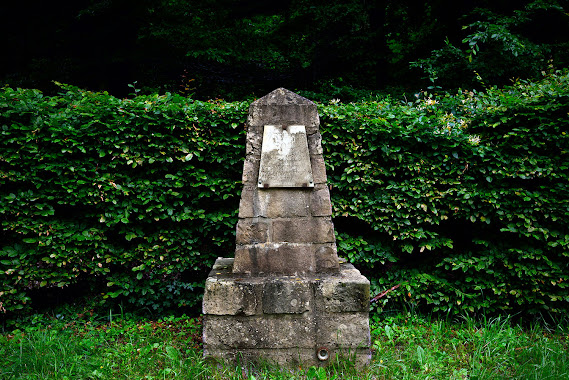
(239, 48)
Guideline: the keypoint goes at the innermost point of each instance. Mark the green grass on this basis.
(418, 348)
(405, 346)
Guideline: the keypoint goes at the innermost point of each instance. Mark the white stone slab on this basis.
(285, 161)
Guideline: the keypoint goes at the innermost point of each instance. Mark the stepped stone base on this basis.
(290, 320)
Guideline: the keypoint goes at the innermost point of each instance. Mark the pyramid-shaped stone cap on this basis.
(282, 96)
(284, 107)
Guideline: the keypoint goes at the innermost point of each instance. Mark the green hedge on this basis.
(140, 193)
(462, 200)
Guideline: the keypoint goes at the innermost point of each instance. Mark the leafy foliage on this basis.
(498, 47)
(135, 191)
(462, 200)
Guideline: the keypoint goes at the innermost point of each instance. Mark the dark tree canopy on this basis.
(241, 47)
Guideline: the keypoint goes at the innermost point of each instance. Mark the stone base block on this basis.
(290, 357)
(286, 319)
(261, 331)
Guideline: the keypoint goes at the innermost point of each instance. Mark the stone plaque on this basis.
(285, 161)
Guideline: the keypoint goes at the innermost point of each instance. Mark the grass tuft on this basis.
(404, 346)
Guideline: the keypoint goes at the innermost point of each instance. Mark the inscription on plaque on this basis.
(285, 161)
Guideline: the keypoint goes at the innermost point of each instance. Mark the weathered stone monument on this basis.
(285, 297)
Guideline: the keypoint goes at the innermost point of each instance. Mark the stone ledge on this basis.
(223, 267)
(221, 264)
(235, 293)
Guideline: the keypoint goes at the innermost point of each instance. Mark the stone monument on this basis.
(286, 297)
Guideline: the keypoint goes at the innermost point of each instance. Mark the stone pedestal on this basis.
(285, 297)
(292, 320)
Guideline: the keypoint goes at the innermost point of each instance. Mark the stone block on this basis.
(320, 204)
(314, 125)
(250, 170)
(315, 144)
(283, 203)
(340, 294)
(318, 169)
(251, 231)
(267, 331)
(311, 230)
(286, 357)
(326, 257)
(287, 296)
(246, 204)
(274, 203)
(343, 330)
(254, 141)
(275, 258)
(224, 296)
(222, 265)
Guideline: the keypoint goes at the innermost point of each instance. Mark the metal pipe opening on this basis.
(323, 354)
